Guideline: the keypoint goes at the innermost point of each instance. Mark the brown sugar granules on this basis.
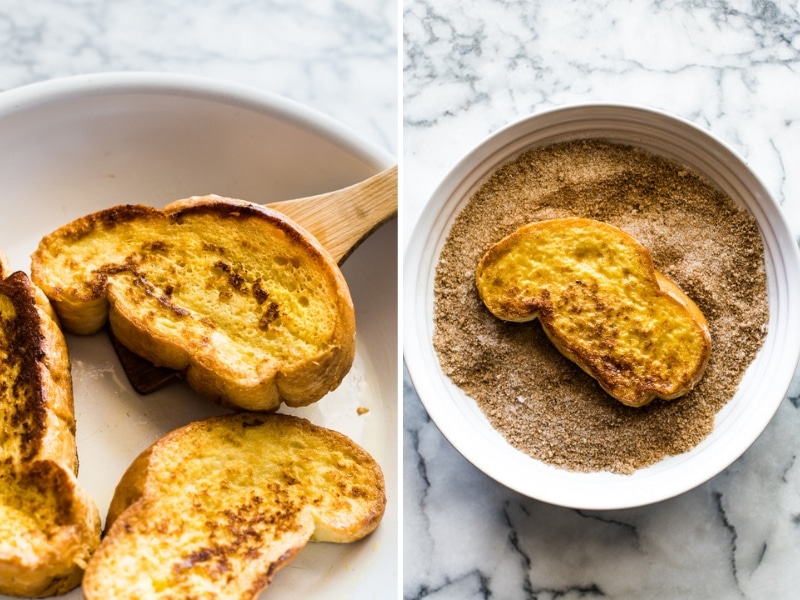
(540, 401)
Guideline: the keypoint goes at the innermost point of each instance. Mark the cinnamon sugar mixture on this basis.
(540, 401)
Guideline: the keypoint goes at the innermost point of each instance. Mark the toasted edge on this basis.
(50, 460)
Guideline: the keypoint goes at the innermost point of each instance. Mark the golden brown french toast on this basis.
(239, 297)
(49, 526)
(214, 509)
(601, 302)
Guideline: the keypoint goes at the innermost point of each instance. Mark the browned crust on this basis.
(22, 339)
(296, 507)
(616, 378)
(104, 219)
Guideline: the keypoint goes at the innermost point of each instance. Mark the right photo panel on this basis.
(601, 299)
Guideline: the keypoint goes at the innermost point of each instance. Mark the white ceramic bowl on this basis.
(76, 145)
(737, 425)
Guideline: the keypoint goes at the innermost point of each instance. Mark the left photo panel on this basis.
(199, 370)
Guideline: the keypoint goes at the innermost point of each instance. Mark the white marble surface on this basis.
(337, 56)
(731, 67)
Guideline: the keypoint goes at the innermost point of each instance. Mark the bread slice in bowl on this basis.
(215, 508)
(241, 299)
(49, 526)
(602, 303)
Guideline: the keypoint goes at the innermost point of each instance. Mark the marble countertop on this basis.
(730, 67)
(336, 56)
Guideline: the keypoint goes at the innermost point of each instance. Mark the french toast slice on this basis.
(238, 296)
(602, 303)
(49, 526)
(214, 509)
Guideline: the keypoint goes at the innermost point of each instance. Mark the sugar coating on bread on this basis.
(601, 302)
(245, 301)
(214, 509)
(49, 526)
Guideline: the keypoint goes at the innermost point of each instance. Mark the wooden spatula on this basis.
(340, 221)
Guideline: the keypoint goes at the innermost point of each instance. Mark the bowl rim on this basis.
(497, 458)
(231, 93)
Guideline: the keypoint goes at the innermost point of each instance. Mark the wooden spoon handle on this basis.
(342, 219)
